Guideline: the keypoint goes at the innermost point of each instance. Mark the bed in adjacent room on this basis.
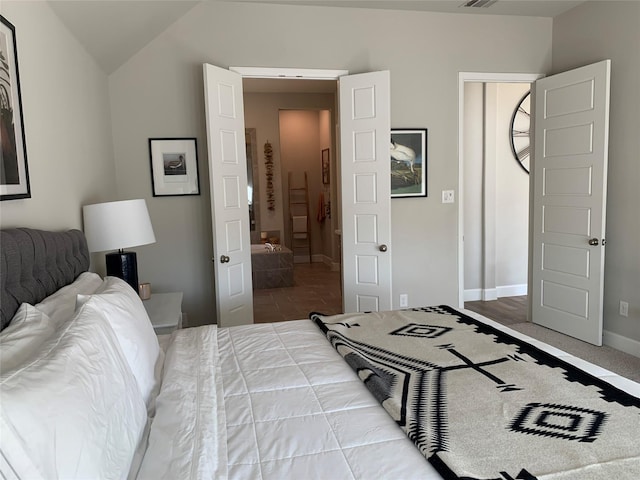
(88, 391)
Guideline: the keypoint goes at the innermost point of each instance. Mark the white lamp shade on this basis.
(117, 225)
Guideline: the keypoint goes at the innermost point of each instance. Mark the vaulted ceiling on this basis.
(113, 31)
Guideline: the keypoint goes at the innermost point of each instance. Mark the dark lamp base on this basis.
(123, 265)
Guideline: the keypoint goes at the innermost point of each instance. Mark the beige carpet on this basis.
(619, 362)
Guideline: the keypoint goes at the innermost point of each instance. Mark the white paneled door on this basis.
(366, 191)
(229, 200)
(570, 179)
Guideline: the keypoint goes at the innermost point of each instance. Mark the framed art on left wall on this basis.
(408, 162)
(174, 166)
(14, 173)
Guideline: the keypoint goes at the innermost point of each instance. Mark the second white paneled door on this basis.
(366, 191)
(570, 180)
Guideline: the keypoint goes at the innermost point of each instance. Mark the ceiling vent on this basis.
(478, 3)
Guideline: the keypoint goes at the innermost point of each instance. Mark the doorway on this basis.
(496, 205)
(567, 197)
(294, 119)
(494, 194)
(364, 196)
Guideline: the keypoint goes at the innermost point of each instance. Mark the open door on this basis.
(366, 191)
(366, 188)
(570, 187)
(229, 199)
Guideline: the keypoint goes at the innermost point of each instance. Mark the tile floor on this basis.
(316, 289)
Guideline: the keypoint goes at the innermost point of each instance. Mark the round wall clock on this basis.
(519, 129)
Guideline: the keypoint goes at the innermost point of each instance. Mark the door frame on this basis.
(289, 73)
(278, 73)
(484, 77)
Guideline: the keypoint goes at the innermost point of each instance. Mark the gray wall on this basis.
(67, 123)
(159, 92)
(592, 32)
(77, 156)
(496, 218)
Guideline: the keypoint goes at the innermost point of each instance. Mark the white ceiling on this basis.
(112, 31)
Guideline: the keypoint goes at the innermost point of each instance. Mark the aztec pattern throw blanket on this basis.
(481, 404)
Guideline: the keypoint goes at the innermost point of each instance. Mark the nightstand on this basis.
(165, 311)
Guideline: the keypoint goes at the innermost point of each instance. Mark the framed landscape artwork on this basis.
(174, 166)
(409, 162)
(14, 174)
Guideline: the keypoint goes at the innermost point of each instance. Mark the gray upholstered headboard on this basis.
(36, 263)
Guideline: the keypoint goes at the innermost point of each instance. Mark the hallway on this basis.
(317, 289)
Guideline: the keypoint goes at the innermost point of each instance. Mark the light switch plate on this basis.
(448, 196)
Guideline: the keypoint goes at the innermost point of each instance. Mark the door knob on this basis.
(383, 248)
(593, 241)
(224, 259)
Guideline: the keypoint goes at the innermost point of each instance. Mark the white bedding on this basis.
(295, 409)
(276, 401)
(291, 405)
(187, 437)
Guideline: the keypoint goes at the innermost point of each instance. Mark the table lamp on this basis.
(116, 226)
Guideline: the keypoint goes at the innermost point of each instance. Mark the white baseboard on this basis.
(624, 344)
(489, 294)
(473, 295)
(512, 290)
(476, 294)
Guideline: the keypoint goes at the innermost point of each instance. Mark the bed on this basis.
(88, 391)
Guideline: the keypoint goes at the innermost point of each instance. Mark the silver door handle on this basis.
(224, 259)
(383, 248)
(593, 242)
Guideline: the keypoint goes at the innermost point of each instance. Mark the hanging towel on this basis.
(322, 215)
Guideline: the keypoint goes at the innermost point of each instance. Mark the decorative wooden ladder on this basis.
(299, 225)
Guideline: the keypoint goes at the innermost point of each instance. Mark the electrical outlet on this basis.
(624, 308)
(404, 300)
(448, 196)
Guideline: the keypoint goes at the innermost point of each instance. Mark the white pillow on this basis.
(74, 410)
(61, 305)
(126, 314)
(28, 330)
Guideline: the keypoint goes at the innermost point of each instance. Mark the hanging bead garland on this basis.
(268, 161)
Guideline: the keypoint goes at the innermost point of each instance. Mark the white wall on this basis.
(159, 93)
(592, 32)
(67, 123)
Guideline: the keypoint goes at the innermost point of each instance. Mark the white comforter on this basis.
(277, 403)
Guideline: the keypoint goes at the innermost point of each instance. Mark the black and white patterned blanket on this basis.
(481, 404)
